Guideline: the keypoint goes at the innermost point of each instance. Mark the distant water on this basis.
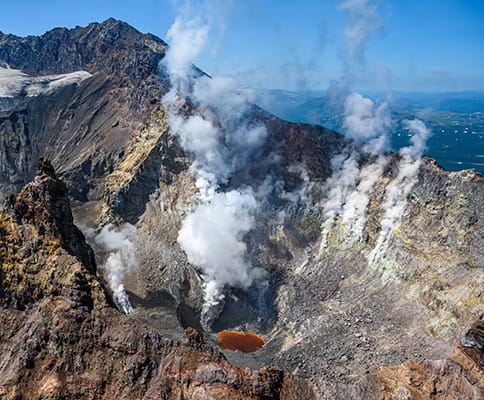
(455, 151)
(457, 142)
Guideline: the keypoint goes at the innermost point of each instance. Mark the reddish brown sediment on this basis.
(242, 341)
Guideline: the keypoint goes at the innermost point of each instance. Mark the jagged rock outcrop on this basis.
(45, 204)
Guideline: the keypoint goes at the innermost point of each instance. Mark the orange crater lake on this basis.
(242, 341)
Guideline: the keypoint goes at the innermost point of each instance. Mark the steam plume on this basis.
(212, 238)
(355, 209)
(367, 122)
(122, 260)
(339, 187)
(399, 189)
(187, 36)
(363, 22)
(348, 188)
(221, 139)
(364, 121)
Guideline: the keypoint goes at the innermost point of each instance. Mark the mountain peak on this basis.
(112, 47)
(44, 203)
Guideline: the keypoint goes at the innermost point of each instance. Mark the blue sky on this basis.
(424, 45)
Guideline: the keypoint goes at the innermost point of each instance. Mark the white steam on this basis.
(367, 123)
(212, 238)
(370, 123)
(221, 140)
(303, 194)
(348, 188)
(363, 22)
(339, 186)
(122, 260)
(355, 209)
(419, 139)
(399, 189)
(187, 37)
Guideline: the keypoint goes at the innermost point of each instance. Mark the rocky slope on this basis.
(329, 315)
(82, 127)
(62, 338)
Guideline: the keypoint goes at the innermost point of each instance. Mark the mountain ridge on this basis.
(63, 50)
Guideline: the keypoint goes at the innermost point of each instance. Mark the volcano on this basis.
(335, 324)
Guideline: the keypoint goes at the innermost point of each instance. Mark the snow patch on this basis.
(15, 83)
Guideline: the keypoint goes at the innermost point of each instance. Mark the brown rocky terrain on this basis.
(330, 316)
(62, 337)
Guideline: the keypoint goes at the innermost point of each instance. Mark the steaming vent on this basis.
(212, 120)
(119, 242)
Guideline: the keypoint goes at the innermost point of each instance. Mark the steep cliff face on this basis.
(112, 47)
(327, 313)
(82, 127)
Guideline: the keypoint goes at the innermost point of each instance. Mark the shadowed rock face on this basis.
(44, 203)
(83, 128)
(327, 315)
